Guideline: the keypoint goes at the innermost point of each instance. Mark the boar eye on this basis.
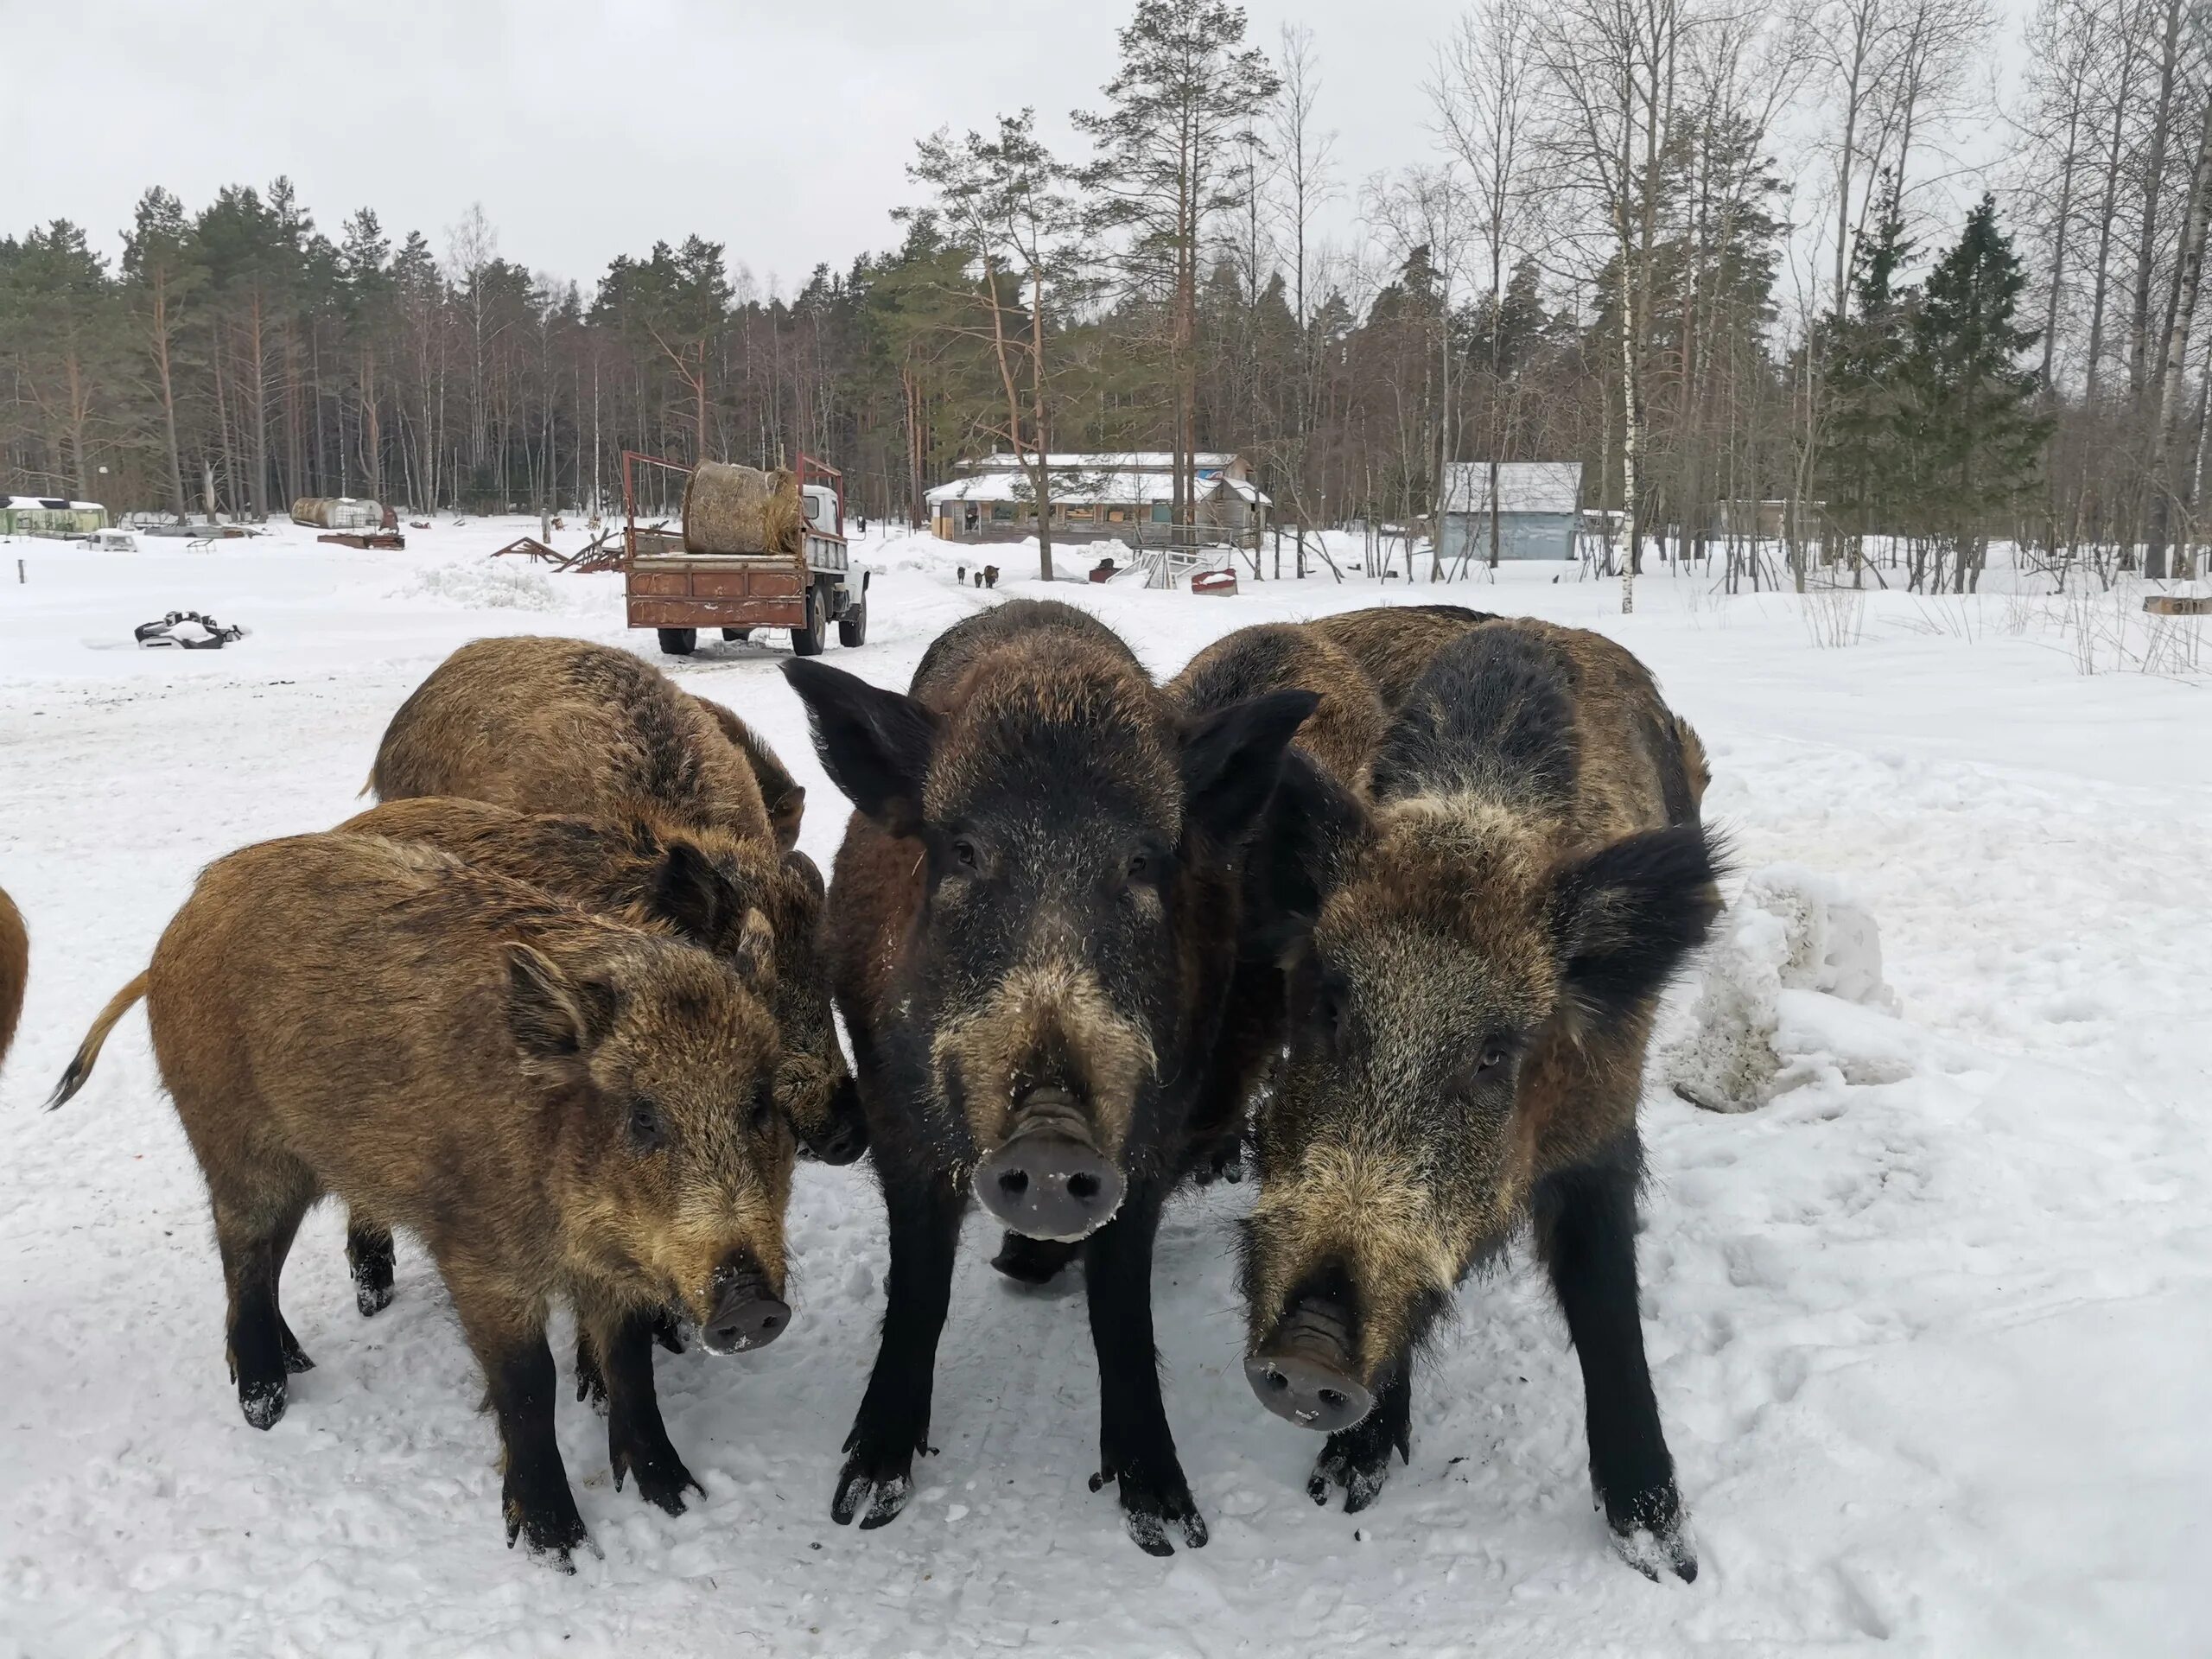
(1491, 1060)
(646, 1132)
(1140, 866)
(963, 854)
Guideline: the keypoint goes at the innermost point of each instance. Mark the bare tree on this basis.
(1484, 92)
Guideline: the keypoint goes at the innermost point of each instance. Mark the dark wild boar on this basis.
(565, 726)
(1028, 929)
(1473, 960)
(559, 1105)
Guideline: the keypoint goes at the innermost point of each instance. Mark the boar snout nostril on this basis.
(1048, 1185)
(1304, 1374)
(747, 1315)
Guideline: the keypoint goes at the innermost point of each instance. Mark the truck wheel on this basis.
(737, 634)
(809, 640)
(679, 642)
(852, 626)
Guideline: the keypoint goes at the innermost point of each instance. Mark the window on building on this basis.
(1001, 512)
(1159, 511)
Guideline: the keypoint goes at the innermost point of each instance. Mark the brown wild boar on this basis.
(1472, 959)
(562, 726)
(722, 894)
(1339, 737)
(1394, 643)
(15, 970)
(1029, 927)
(545, 725)
(560, 1106)
(783, 795)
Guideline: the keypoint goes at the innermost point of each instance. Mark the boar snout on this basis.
(1047, 1179)
(747, 1314)
(1304, 1374)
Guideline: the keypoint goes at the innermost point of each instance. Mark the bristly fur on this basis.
(1472, 957)
(1494, 715)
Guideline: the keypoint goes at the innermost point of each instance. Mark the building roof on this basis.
(49, 503)
(1127, 461)
(1522, 487)
(1097, 489)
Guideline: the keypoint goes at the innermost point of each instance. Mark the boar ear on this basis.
(1299, 852)
(1232, 757)
(693, 896)
(552, 1016)
(756, 948)
(874, 744)
(1625, 917)
(802, 874)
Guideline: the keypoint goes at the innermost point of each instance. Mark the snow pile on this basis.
(487, 585)
(1793, 991)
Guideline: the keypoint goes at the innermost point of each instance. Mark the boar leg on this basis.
(1136, 1447)
(637, 1439)
(254, 1230)
(508, 1338)
(1358, 1458)
(894, 1416)
(1585, 1233)
(368, 1253)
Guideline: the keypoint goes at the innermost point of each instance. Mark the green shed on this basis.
(49, 515)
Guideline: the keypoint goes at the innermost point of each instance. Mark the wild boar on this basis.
(565, 726)
(559, 1105)
(15, 970)
(1472, 960)
(1394, 643)
(543, 725)
(1340, 737)
(750, 906)
(783, 795)
(1028, 932)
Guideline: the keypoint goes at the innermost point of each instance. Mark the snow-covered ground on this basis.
(1931, 1328)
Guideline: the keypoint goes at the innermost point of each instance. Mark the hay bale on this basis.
(728, 509)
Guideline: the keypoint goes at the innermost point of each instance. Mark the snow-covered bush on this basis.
(1792, 990)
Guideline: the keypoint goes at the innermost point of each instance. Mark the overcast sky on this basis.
(589, 128)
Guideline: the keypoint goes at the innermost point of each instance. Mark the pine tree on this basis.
(1968, 421)
(1860, 457)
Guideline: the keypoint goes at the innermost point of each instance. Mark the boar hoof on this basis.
(662, 1478)
(1150, 1506)
(295, 1357)
(1032, 1260)
(591, 1381)
(262, 1403)
(1650, 1534)
(1358, 1458)
(552, 1531)
(369, 1253)
(885, 1494)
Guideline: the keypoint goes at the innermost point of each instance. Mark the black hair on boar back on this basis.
(1471, 965)
(1030, 923)
(560, 1106)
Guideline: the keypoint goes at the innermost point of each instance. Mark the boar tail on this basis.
(88, 1051)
